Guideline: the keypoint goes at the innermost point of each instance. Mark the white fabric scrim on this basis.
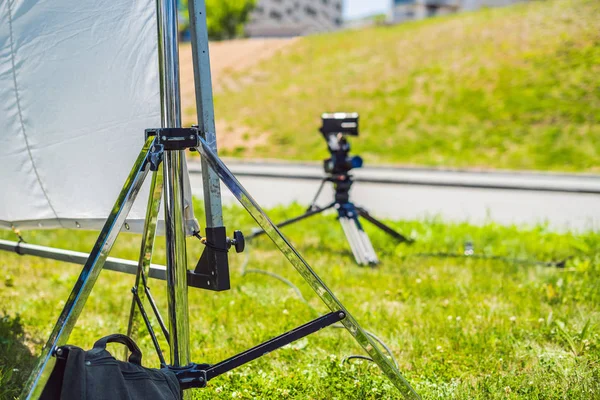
(79, 85)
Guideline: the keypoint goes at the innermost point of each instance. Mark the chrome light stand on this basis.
(173, 165)
(166, 146)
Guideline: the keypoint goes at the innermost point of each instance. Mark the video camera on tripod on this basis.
(335, 127)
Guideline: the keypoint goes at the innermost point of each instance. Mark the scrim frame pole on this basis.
(205, 109)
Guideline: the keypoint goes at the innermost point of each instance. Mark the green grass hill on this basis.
(509, 88)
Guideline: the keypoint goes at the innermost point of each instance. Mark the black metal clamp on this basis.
(212, 270)
(169, 139)
(175, 138)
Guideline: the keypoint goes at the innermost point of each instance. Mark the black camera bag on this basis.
(96, 375)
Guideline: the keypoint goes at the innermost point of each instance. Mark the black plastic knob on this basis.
(238, 241)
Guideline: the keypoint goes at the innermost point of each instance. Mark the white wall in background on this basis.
(294, 17)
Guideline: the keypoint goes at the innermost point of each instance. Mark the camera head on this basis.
(339, 123)
(335, 127)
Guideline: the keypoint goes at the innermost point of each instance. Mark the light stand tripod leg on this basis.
(314, 281)
(396, 235)
(89, 274)
(146, 250)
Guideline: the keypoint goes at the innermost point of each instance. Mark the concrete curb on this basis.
(523, 181)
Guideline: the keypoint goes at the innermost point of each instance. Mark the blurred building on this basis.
(277, 18)
(404, 10)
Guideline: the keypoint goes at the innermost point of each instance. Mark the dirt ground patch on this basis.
(227, 58)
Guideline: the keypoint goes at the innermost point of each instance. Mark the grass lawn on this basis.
(460, 328)
(510, 88)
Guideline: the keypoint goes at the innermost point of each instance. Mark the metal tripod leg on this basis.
(396, 235)
(81, 291)
(146, 249)
(360, 244)
(314, 200)
(314, 281)
(309, 213)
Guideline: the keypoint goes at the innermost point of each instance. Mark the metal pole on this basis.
(76, 257)
(173, 185)
(205, 109)
(176, 261)
(146, 250)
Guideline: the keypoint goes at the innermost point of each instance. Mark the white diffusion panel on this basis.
(79, 85)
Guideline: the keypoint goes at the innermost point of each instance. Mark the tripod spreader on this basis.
(196, 375)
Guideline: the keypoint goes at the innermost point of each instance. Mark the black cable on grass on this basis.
(273, 275)
(378, 340)
(245, 271)
(509, 260)
(355, 357)
(469, 252)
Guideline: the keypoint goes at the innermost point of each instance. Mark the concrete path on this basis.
(565, 202)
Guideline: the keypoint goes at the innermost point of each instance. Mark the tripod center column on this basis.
(173, 166)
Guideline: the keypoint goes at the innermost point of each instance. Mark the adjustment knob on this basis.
(238, 241)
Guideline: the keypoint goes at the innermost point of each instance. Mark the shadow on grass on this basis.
(16, 359)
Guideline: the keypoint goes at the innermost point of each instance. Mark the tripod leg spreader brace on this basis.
(196, 375)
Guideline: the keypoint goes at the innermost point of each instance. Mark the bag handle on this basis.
(136, 353)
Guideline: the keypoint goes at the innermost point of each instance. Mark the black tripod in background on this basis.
(335, 128)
